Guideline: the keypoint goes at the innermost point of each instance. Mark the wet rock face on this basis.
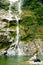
(33, 47)
(3, 38)
(30, 48)
(4, 42)
(2, 25)
(39, 45)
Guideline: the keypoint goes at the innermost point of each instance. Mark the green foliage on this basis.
(32, 26)
(13, 23)
(26, 2)
(27, 21)
(13, 34)
(39, 15)
(4, 4)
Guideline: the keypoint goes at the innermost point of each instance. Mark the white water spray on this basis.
(14, 51)
(19, 51)
(13, 0)
(19, 7)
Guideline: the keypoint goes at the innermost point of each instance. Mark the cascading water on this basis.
(19, 7)
(15, 50)
(13, 0)
(19, 51)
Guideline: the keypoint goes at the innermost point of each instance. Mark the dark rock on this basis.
(37, 60)
(5, 53)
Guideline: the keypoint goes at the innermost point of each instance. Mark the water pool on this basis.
(13, 60)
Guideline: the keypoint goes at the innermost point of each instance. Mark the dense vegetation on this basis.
(32, 21)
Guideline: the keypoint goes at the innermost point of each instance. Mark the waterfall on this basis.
(13, 0)
(15, 50)
(19, 51)
(17, 30)
(19, 7)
